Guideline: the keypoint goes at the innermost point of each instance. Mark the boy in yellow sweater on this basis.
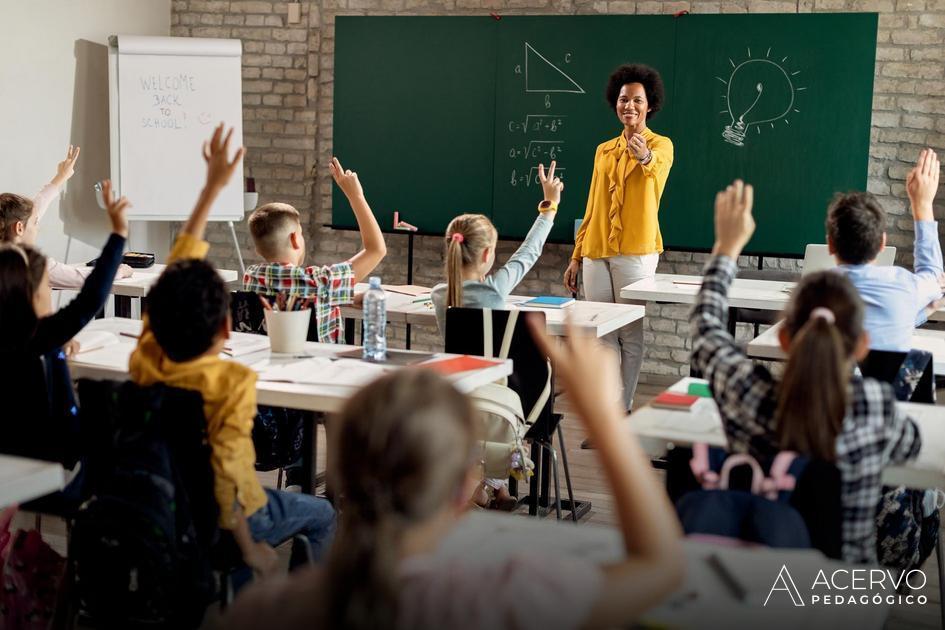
(186, 326)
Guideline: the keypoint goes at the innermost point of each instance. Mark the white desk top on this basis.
(770, 295)
(658, 427)
(112, 363)
(141, 280)
(766, 346)
(702, 601)
(597, 318)
(25, 479)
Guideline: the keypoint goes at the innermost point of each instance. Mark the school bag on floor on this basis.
(32, 574)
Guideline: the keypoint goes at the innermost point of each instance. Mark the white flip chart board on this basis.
(166, 96)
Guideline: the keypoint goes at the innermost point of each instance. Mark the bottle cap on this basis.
(374, 282)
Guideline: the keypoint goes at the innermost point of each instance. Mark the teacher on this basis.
(619, 240)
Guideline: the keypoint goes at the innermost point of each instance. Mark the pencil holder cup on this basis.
(287, 329)
(250, 199)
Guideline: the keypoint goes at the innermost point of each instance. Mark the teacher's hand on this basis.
(571, 275)
(637, 146)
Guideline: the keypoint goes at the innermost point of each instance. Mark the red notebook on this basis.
(674, 400)
(455, 365)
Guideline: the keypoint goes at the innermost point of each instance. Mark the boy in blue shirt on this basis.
(896, 299)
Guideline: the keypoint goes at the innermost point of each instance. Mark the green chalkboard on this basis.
(448, 115)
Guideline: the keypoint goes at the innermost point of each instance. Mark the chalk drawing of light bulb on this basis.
(758, 91)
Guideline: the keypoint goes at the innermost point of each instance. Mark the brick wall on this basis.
(287, 123)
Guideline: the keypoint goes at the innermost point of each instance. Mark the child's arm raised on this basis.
(922, 185)
(45, 197)
(652, 537)
(373, 247)
(219, 171)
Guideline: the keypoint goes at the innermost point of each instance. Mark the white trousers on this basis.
(603, 280)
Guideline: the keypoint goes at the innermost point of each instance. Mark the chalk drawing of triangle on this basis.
(543, 76)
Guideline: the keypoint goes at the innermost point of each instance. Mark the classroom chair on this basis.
(148, 474)
(499, 333)
(912, 374)
(278, 431)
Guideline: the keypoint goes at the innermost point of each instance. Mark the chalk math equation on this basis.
(535, 137)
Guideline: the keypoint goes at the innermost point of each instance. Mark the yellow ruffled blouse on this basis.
(624, 200)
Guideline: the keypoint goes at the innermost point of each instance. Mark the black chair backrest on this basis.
(885, 366)
(114, 414)
(248, 314)
(816, 497)
(464, 335)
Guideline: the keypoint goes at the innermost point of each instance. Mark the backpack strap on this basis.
(701, 470)
(738, 459)
(487, 333)
(779, 475)
(507, 335)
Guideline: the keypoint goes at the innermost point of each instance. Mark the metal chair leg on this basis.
(279, 479)
(554, 469)
(567, 472)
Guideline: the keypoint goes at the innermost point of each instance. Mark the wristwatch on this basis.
(547, 206)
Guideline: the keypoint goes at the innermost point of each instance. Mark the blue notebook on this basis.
(549, 301)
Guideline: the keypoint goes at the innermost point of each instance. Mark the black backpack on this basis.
(140, 542)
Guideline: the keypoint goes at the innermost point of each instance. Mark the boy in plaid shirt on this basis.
(277, 234)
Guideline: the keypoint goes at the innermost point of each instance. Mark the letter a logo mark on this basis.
(786, 584)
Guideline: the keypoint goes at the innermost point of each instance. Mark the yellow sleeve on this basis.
(148, 354)
(662, 161)
(589, 211)
(234, 457)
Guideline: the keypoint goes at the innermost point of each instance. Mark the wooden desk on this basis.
(658, 428)
(24, 479)
(138, 285)
(702, 601)
(767, 295)
(766, 346)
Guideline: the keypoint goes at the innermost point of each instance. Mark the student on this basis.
(407, 459)
(470, 253)
(39, 407)
(186, 325)
(896, 299)
(277, 234)
(19, 223)
(819, 408)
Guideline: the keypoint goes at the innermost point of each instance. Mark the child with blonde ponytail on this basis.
(820, 408)
(470, 253)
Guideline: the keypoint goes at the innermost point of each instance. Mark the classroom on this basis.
(472, 313)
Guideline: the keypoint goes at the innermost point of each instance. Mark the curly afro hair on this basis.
(637, 73)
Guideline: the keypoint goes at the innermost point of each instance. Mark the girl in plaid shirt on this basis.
(819, 408)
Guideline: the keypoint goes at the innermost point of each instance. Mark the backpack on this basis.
(139, 544)
(758, 511)
(32, 574)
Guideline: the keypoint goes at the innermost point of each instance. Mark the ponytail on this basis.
(454, 271)
(825, 322)
(467, 236)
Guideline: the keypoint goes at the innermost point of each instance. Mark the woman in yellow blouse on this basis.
(619, 241)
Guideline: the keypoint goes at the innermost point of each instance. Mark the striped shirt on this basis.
(874, 434)
(330, 286)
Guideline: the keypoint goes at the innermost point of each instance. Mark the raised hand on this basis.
(347, 180)
(116, 209)
(734, 224)
(922, 184)
(215, 153)
(551, 186)
(66, 168)
(637, 146)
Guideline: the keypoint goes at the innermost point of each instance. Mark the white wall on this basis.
(54, 92)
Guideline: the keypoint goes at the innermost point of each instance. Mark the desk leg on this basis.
(349, 330)
(309, 455)
(407, 345)
(122, 306)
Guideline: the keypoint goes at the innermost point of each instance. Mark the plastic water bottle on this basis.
(375, 322)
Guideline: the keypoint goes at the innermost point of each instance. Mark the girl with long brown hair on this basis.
(407, 459)
(820, 407)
